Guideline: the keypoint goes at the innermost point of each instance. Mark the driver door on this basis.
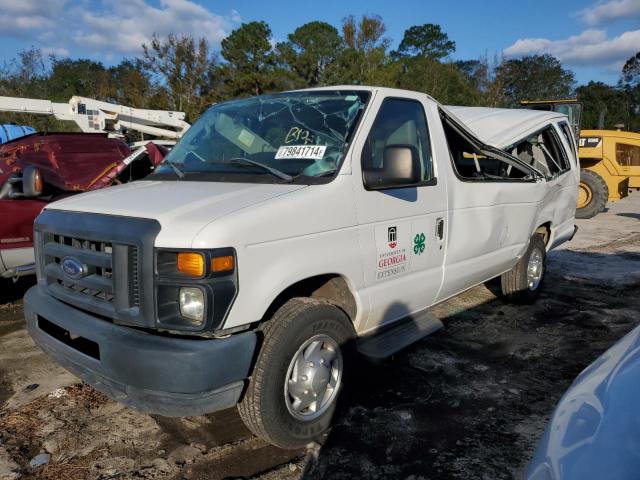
(401, 230)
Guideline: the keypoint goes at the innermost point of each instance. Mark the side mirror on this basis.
(32, 183)
(400, 168)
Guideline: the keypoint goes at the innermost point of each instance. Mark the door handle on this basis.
(440, 228)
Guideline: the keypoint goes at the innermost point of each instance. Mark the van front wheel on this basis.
(522, 283)
(293, 390)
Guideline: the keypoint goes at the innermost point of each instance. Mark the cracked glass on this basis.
(281, 137)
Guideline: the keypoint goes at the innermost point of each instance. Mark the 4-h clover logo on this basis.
(418, 243)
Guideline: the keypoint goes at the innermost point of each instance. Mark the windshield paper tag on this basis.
(246, 138)
(313, 152)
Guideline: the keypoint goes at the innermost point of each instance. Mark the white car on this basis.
(286, 232)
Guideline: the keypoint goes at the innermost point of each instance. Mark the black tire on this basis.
(263, 408)
(515, 282)
(595, 184)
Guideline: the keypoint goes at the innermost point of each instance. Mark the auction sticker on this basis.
(312, 152)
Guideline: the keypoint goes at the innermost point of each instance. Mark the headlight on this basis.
(192, 305)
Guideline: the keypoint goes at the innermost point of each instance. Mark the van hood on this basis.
(183, 206)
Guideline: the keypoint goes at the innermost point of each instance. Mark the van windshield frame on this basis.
(303, 134)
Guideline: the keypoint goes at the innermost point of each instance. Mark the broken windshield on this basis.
(276, 138)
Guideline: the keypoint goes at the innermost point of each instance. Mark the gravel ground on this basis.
(470, 401)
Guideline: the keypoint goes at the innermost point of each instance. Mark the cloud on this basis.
(590, 48)
(126, 28)
(109, 28)
(21, 17)
(608, 11)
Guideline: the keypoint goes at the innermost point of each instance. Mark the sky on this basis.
(592, 37)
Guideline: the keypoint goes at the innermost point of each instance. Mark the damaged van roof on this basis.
(502, 127)
(498, 127)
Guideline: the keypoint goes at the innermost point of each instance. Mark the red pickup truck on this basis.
(41, 168)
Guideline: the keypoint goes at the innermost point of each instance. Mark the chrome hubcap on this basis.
(313, 378)
(534, 269)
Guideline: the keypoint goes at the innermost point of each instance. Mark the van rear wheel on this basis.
(293, 391)
(523, 282)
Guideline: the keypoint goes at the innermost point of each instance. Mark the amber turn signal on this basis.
(38, 184)
(222, 264)
(191, 263)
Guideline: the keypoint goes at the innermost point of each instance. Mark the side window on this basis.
(628, 155)
(472, 164)
(399, 123)
(568, 134)
(543, 151)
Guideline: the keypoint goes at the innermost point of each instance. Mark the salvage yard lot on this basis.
(471, 401)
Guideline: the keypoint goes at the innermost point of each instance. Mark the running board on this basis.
(397, 337)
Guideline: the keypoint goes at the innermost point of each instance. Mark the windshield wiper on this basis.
(266, 168)
(175, 169)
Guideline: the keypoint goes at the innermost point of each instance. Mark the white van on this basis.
(286, 232)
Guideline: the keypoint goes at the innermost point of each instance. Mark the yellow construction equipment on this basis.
(610, 166)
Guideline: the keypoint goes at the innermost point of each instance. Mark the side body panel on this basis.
(489, 228)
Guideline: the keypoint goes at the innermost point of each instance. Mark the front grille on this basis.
(134, 268)
(99, 280)
(97, 288)
(112, 275)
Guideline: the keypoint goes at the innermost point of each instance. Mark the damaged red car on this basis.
(41, 168)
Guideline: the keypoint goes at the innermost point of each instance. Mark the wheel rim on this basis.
(584, 195)
(313, 377)
(535, 269)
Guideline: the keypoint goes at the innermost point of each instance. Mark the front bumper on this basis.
(150, 373)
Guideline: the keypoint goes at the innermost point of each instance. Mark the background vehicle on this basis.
(10, 132)
(283, 233)
(594, 432)
(610, 162)
(609, 159)
(38, 169)
(95, 116)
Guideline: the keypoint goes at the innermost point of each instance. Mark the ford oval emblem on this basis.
(73, 268)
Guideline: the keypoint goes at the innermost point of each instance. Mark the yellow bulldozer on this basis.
(609, 159)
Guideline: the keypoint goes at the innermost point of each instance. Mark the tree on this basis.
(476, 73)
(631, 71)
(534, 77)
(251, 67)
(630, 82)
(184, 66)
(310, 51)
(363, 57)
(601, 100)
(83, 77)
(443, 81)
(132, 86)
(25, 75)
(426, 40)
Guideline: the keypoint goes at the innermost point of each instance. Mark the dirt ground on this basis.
(470, 401)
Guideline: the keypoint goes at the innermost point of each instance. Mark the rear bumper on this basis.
(150, 373)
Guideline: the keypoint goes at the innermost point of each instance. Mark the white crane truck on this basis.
(95, 116)
(285, 233)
